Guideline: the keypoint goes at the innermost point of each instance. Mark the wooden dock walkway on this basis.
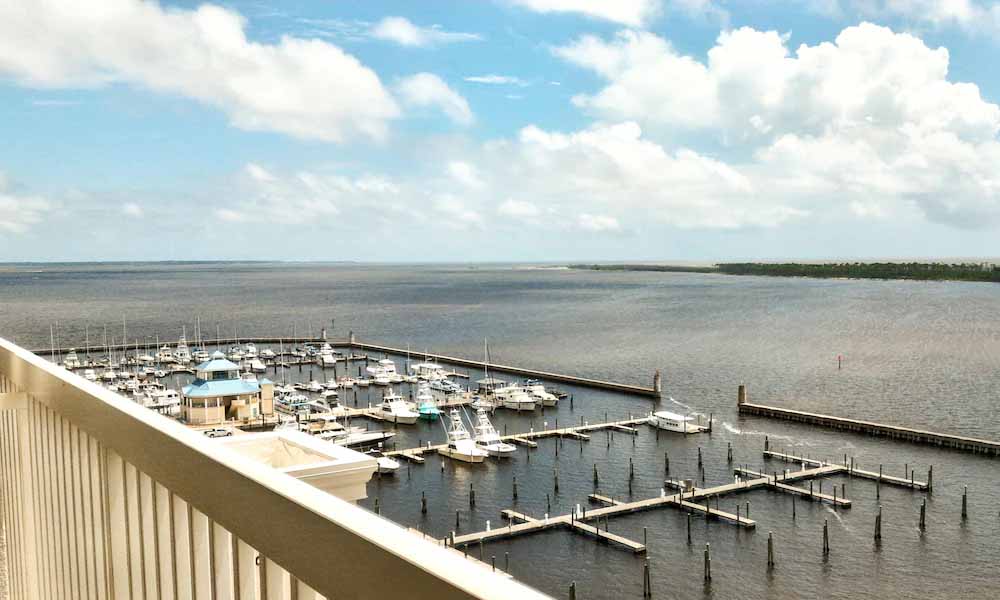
(526, 438)
(848, 470)
(917, 436)
(781, 484)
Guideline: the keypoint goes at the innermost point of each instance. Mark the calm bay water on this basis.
(918, 354)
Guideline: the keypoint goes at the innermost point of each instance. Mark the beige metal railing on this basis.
(103, 498)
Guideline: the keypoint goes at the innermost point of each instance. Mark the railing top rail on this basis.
(335, 547)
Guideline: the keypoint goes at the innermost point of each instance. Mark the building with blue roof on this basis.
(219, 394)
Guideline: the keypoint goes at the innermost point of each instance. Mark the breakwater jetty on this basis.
(916, 436)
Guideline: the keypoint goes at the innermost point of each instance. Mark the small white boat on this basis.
(249, 350)
(536, 390)
(461, 446)
(362, 382)
(429, 371)
(514, 398)
(267, 353)
(488, 439)
(396, 410)
(386, 465)
(90, 375)
(147, 359)
(159, 373)
(669, 421)
(165, 355)
(384, 372)
(326, 359)
(182, 355)
(346, 382)
(256, 365)
(72, 361)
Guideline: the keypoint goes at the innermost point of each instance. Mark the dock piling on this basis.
(666, 464)
(596, 480)
(423, 503)
(826, 537)
(770, 550)
(689, 529)
(631, 469)
(555, 479)
(878, 525)
(708, 563)
(965, 503)
(572, 590)
(647, 588)
(729, 452)
(793, 508)
(506, 562)
(930, 478)
(699, 457)
(515, 487)
(923, 515)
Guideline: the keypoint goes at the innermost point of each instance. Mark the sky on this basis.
(499, 130)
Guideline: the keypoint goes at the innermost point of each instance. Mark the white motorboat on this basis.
(461, 446)
(346, 382)
(160, 373)
(488, 439)
(182, 355)
(313, 386)
(331, 397)
(167, 402)
(165, 355)
(396, 410)
(90, 375)
(536, 390)
(326, 359)
(514, 397)
(669, 421)
(362, 382)
(267, 353)
(386, 465)
(147, 359)
(256, 365)
(443, 390)
(249, 350)
(384, 372)
(72, 361)
(109, 374)
(429, 371)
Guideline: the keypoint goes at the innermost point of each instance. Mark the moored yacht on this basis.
(182, 355)
(165, 355)
(536, 389)
(514, 397)
(396, 410)
(429, 371)
(461, 446)
(72, 361)
(426, 405)
(326, 358)
(488, 439)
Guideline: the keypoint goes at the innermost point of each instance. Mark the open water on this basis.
(924, 355)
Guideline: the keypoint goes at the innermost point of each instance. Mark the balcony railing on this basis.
(102, 498)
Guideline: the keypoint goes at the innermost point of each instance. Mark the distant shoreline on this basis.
(913, 271)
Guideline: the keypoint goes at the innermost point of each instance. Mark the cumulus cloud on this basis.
(305, 88)
(598, 223)
(19, 212)
(465, 173)
(402, 31)
(428, 90)
(456, 212)
(493, 79)
(131, 209)
(633, 13)
(969, 15)
(872, 114)
(518, 209)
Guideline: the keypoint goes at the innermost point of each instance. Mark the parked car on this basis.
(217, 433)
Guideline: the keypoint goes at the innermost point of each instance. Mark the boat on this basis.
(330, 396)
(429, 371)
(160, 373)
(256, 365)
(182, 355)
(313, 386)
(362, 382)
(167, 402)
(199, 355)
(386, 465)
(165, 355)
(514, 397)
(443, 390)
(346, 382)
(147, 359)
(384, 372)
(235, 354)
(249, 350)
(109, 374)
(326, 358)
(72, 361)
(460, 445)
(426, 406)
(488, 439)
(267, 353)
(536, 389)
(396, 410)
(90, 375)
(669, 421)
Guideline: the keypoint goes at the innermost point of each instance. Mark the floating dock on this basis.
(916, 436)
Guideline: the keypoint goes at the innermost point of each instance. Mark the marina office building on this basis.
(219, 394)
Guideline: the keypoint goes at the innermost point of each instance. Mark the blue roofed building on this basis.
(219, 394)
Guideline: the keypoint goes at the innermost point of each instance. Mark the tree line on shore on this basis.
(850, 270)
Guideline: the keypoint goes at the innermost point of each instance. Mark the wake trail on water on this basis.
(839, 520)
(774, 436)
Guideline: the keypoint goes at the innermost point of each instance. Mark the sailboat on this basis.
(461, 446)
(488, 439)
(426, 405)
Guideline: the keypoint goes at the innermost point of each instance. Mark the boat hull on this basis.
(402, 420)
(519, 406)
(462, 456)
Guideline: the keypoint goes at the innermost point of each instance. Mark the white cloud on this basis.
(259, 173)
(969, 15)
(305, 88)
(633, 13)
(18, 212)
(518, 209)
(598, 223)
(871, 117)
(131, 209)
(456, 212)
(429, 90)
(494, 79)
(465, 173)
(402, 31)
